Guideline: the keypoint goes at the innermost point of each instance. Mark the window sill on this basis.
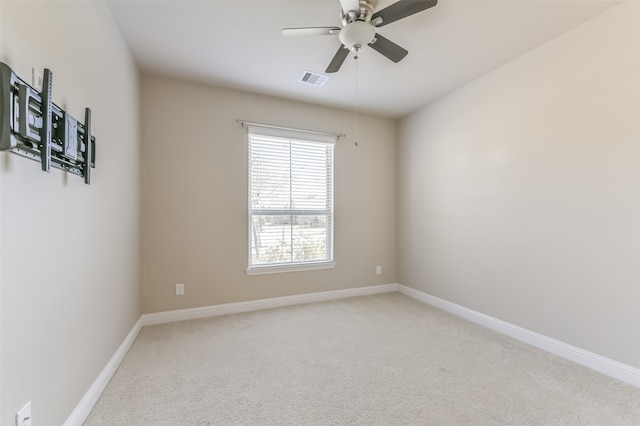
(279, 269)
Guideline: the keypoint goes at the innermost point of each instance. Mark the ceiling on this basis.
(238, 44)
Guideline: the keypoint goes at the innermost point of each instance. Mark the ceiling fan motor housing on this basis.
(366, 10)
(357, 34)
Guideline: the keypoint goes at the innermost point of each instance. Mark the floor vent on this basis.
(314, 79)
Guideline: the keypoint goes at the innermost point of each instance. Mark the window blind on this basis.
(290, 197)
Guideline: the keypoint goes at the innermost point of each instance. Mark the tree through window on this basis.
(290, 197)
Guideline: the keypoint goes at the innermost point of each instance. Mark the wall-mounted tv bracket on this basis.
(32, 126)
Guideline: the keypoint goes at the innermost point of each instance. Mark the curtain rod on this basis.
(270, 126)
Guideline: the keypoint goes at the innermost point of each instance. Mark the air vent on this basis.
(314, 79)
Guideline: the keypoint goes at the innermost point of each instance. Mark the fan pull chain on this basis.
(357, 102)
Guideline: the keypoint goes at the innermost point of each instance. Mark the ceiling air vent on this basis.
(314, 79)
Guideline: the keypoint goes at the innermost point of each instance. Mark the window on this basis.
(290, 200)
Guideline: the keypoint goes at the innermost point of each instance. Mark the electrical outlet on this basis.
(179, 289)
(378, 270)
(23, 418)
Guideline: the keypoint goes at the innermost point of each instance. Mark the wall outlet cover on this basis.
(23, 418)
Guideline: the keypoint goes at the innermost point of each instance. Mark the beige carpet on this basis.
(375, 360)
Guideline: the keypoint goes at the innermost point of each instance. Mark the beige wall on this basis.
(194, 196)
(519, 194)
(70, 251)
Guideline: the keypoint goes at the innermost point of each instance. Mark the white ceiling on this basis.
(239, 44)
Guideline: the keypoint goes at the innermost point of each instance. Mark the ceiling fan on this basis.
(359, 24)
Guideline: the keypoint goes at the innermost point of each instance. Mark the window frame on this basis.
(292, 136)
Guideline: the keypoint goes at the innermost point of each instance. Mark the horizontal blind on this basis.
(290, 198)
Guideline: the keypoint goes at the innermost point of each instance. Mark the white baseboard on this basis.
(84, 407)
(254, 305)
(609, 367)
(596, 362)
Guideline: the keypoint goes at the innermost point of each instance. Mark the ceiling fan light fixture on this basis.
(356, 35)
(359, 28)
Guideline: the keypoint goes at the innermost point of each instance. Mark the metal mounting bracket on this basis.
(32, 126)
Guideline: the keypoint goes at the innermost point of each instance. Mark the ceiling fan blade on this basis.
(388, 48)
(338, 59)
(348, 5)
(310, 31)
(402, 9)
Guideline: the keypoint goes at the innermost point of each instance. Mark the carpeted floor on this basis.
(375, 360)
